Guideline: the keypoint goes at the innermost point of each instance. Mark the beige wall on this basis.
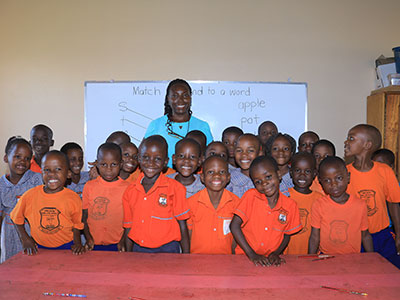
(49, 48)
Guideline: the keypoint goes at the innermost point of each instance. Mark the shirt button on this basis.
(262, 244)
(142, 241)
(215, 229)
(142, 221)
(266, 228)
(145, 198)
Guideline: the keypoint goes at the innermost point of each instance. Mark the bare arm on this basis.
(394, 211)
(86, 231)
(127, 240)
(366, 240)
(313, 243)
(239, 237)
(274, 258)
(28, 244)
(185, 242)
(77, 247)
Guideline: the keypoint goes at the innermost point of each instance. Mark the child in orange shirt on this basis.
(303, 172)
(41, 141)
(211, 210)
(187, 159)
(282, 147)
(384, 156)
(54, 213)
(229, 138)
(130, 166)
(321, 149)
(307, 140)
(377, 184)
(155, 206)
(247, 148)
(338, 221)
(102, 202)
(265, 218)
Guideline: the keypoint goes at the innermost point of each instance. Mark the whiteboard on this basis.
(131, 106)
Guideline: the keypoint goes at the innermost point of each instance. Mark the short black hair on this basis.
(263, 159)
(232, 129)
(58, 153)
(307, 133)
(155, 139)
(373, 133)
(331, 160)
(265, 123)
(16, 140)
(325, 143)
(43, 127)
(215, 157)
(119, 134)
(190, 141)
(303, 155)
(389, 155)
(70, 146)
(109, 147)
(271, 140)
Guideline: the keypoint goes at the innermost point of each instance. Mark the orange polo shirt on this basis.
(299, 242)
(375, 187)
(134, 175)
(340, 224)
(317, 187)
(264, 227)
(34, 166)
(210, 226)
(103, 200)
(51, 216)
(153, 216)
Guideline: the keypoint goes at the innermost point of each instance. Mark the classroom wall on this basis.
(49, 48)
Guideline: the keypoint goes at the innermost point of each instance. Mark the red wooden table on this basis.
(110, 275)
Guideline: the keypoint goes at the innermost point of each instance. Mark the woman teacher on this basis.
(177, 120)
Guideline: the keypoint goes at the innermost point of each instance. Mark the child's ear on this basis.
(51, 143)
(166, 161)
(314, 174)
(279, 175)
(69, 174)
(173, 159)
(368, 145)
(348, 182)
(5, 158)
(260, 151)
(202, 177)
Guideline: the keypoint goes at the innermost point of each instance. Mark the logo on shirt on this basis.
(162, 200)
(99, 209)
(50, 220)
(282, 218)
(369, 197)
(303, 219)
(338, 231)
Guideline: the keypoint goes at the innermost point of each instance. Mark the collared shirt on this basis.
(210, 226)
(78, 187)
(239, 183)
(286, 184)
(34, 166)
(194, 187)
(263, 227)
(153, 216)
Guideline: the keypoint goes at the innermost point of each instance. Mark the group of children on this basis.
(255, 195)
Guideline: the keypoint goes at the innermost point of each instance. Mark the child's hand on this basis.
(259, 260)
(89, 243)
(29, 246)
(397, 241)
(93, 174)
(78, 249)
(275, 260)
(121, 245)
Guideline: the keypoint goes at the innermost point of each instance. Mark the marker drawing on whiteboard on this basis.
(130, 121)
(123, 107)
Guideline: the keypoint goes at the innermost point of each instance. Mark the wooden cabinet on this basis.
(383, 111)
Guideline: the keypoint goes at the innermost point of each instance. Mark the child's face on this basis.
(355, 143)
(322, 151)
(152, 159)
(383, 159)
(281, 151)
(334, 179)
(180, 99)
(303, 173)
(41, 141)
(229, 139)
(75, 157)
(246, 150)
(215, 175)
(55, 173)
(266, 179)
(19, 159)
(186, 159)
(306, 142)
(266, 131)
(109, 165)
(129, 158)
(217, 149)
